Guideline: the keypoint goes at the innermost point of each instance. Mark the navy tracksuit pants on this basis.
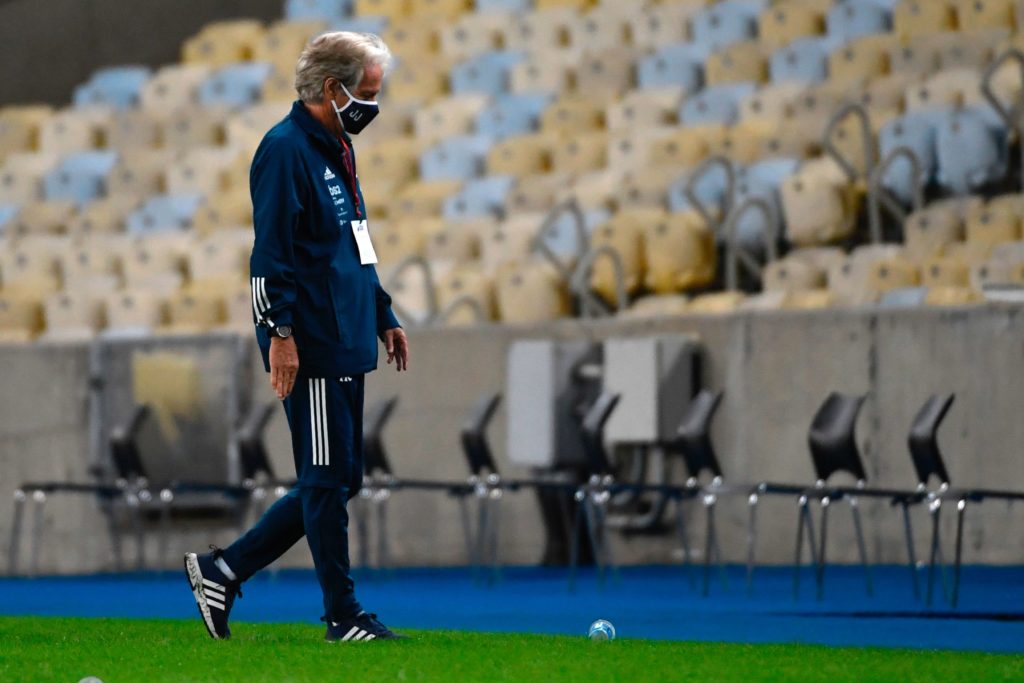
(325, 417)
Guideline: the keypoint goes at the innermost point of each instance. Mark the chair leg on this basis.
(908, 532)
(819, 566)
(574, 548)
(684, 541)
(596, 538)
(712, 552)
(483, 523)
(39, 498)
(934, 508)
(135, 510)
(467, 530)
(115, 535)
(383, 549)
(751, 541)
(495, 522)
(165, 527)
(803, 520)
(869, 584)
(961, 509)
(19, 517)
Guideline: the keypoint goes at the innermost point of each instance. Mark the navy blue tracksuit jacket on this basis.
(305, 265)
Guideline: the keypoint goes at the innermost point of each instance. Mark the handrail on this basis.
(1014, 118)
(698, 174)
(579, 283)
(856, 109)
(879, 196)
(734, 253)
(462, 301)
(414, 261)
(538, 243)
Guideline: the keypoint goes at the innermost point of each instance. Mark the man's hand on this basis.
(284, 365)
(397, 345)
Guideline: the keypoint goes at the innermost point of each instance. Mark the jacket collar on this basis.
(314, 129)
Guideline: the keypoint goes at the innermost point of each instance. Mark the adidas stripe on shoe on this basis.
(214, 593)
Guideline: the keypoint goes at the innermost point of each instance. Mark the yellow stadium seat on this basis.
(466, 284)
(22, 174)
(594, 190)
(639, 109)
(793, 274)
(580, 5)
(409, 291)
(918, 58)
(605, 71)
(138, 174)
(975, 48)
(657, 25)
(279, 87)
(509, 240)
(1009, 203)
(740, 62)
(855, 281)
(809, 299)
(102, 216)
(454, 243)
(952, 296)
(72, 315)
(573, 114)
(745, 142)
(647, 187)
(224, 254)
(85, 260)
(238, 311)
(865, 57)
(992, 227)
(283, 42)
(817, 210)
(449, 9)
(204, 170)
(173, 87)
(688, 145)
(587, 151)
(246, 128)
(658, 306)
(625, 234)
(422, 199)
(74, 130)
(396, 241)
(981, 14)
(885, 276)
(199, 127)
(822, 99)
(394, 161)
(520, 155)
(394, 122)
(772, 102)
(137, 312)
(223, 42)
(716, 303)
(21, 318)
(415, 38)
(473, 33)
(795, 136)
(997, 272)
(413, 82)
(912, 18)
(19, 128)
(531, 292)
(536, 192)
(679, 253)
(929, 231)
(194, 312)
(631, 151)
(540, 30)
(447, 117)
(394, 10)
(130, 130)
(542, 74)
(946, 88)
(41, 218)
(601, 28)
(945, 271)
(888, 92)
(786, 21)
(153, 264)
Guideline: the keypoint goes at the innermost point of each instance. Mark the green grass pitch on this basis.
(116, 650)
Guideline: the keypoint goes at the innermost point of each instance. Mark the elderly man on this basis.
(319, 308)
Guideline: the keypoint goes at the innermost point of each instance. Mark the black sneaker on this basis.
(214, 592)
(363, 628)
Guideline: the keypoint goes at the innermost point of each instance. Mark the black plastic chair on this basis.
(129, 490)
(923, 442)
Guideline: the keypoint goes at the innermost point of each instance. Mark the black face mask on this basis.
(355, 115)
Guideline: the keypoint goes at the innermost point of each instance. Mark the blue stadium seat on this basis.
(326, 10)
(504, 5)
(456, 158)
(717, 104)
(905, 297)
(725, 23)
(486, 73)
(512, 115)
(916, 131)
(673, 65)
(368, 23)
(970, 150)
(7, 214)
(849, 20)
(710, 190)
(236, 85)
(477, 198)
(79, 178)
(163, 213)
(117, 87)
(805, 59)
(562, 237)
(761, 179)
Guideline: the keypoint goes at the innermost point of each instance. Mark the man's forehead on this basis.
(373, 75)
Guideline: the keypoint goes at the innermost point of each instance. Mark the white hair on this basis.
(343, 55)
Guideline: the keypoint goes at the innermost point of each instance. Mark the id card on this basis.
(362, 234)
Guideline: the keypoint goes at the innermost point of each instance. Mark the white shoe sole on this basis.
(195, 579)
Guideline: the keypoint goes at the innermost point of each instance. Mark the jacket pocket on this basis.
(339, 310)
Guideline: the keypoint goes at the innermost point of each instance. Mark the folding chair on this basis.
(927, 457)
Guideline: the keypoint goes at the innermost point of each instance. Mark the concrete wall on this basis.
(47, 47)
(775, 370)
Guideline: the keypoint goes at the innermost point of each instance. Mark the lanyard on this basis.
(348, 162)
